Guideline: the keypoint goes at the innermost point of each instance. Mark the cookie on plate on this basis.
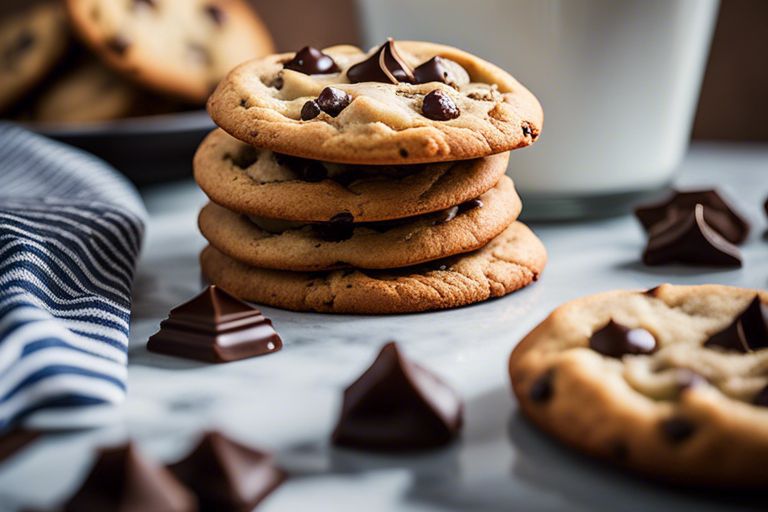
(405, 102)
(258, 182)
(511, 261)
(671, 382)
(178, 47)
(340, 243)
(31, 42)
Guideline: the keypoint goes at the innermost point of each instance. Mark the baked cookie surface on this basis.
(340, 243)
(405, 102)
(672, 382)
(511, 261)
(258, 182)
(177, 47)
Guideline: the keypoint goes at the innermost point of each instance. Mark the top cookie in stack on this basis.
(367, 182)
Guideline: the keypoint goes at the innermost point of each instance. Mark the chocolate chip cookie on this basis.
(671, 382)
(30, 44)
(178, 47)
(341, 243)
(258, 182)
(511, 261)
(402, 103)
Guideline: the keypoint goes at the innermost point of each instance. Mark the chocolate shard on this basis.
(385, 65)
(122, 479)
(215, 327)
(397, 405)
(227, 475)
(616, 340)
(688, 238)
(747, 332)
(312, 61)
(432, 71)
(718, 213)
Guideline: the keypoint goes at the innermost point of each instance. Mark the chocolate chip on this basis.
(677, 429)
(747, 332)
(385, 65)
(339, 228)
(616, 340)
(541, 389)
(118, 44)
(215, 13)
(310, 110)
(761, 398)
(312, 61)
(332, 101)
(438, 106)
(431, 71)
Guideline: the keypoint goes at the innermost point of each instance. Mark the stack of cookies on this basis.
(349, 182)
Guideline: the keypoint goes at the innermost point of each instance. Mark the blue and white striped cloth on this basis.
(70, 234)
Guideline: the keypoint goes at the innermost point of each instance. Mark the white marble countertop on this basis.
(288, 402)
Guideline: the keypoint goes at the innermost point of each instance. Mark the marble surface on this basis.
(288, 402)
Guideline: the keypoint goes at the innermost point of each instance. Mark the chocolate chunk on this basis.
(677, 429)
(227, 475)
(310, 110)
(431, 71)
(332, 101)
(687, 238)
(761, 398)
(305, 169)
(215, 327)
(118, 44)
(616, 340)
(122, 479)
(385, 65)
(215, 13)
(438, 106)
(541, 389)
(312, 61)
(719, 214)
(747, 332)
(397, 405)
(341, 227)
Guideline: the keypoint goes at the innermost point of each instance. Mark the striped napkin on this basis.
(70, 234)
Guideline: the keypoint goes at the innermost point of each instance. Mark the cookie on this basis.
(672, 382)
(406, 102)
(31, 43)
(178, 47)
(511, 261)
(341, 243)
(258, 182)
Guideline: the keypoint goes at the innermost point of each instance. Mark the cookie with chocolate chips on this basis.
(404, 102)
(258, 182)
(177, 47)
(31, 43)
(511, 261)
(676, 376)
(341, 243)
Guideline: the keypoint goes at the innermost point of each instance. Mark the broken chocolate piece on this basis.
(397, 405)
(385, 65)
(748, 332)
(227, 475)
(310, 110)
(122, 479)
(332, 101)
(687, 238)
(677, 429)
(432, 71)
(215, 327)
(341, 227)
(312, 61)
(719, 214)
(438, 106)
(616, 340)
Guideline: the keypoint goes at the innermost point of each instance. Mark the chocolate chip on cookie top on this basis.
(616, 340)
(748, 332)
(312, 61)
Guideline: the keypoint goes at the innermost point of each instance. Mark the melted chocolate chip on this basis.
(310, 110)
(677, 429)
(215, 13)
(305, 169)
(688, 238)
(616, 340)
(118, 44)
(541, 389)
(339, 228)
(332, 101)
(312, 61)
(431, 71)
(761, 398)
(438, 106)
(747, 332)
(385, 65)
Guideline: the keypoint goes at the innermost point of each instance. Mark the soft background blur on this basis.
(733, 104)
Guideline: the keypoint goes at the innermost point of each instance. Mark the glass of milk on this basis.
(618, 79)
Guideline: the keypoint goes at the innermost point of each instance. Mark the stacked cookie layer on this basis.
(367, 183)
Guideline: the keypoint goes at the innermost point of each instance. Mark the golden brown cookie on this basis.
(258, 182)
(672, 382)
(455, 108)
(511, 261)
